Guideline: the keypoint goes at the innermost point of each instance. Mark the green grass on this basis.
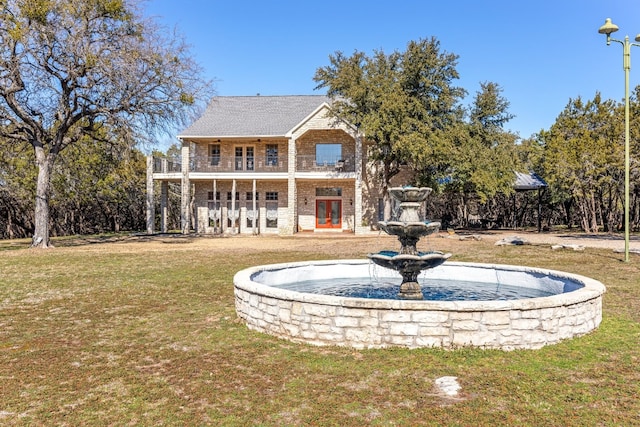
(126, 331)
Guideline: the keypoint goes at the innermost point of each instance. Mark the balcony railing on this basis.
(239, 164)
(167, 164)
(256, 164)
(312, 164)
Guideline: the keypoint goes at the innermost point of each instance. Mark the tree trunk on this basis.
(387, 206)
(567, 205)
(41, 234)
(593, 212)
(9, 225)
(463, 212)
(386, 178)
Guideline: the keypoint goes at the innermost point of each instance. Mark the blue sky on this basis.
(542, 53)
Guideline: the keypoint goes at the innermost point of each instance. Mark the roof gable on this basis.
(252, 116)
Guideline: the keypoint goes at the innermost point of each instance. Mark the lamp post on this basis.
(607, 29)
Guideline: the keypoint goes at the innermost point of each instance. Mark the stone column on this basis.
(215, 204)
(164, 206)
(357, 227)
(202, 222)
(185, 189)
(254, 207)
(233, 207)
(262, 219)
(289, 227)
(242, 219)
(223, 219)
(151, 207)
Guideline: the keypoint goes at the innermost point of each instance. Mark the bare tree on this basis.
(93, 68)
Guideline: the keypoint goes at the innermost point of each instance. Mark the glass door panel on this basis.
(239, 156)
(244, 158)
(249, 158)
(336, 213)
(321, 213)
(328, 213)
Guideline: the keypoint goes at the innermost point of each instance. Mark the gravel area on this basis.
(594, 240)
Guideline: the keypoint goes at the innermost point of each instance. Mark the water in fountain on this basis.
(409, 229)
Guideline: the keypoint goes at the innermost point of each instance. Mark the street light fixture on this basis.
(607, 29)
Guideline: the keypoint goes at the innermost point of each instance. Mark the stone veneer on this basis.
(369, 323)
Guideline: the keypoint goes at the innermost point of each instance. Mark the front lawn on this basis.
(143, 331)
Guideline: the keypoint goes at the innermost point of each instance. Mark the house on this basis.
(269, 164)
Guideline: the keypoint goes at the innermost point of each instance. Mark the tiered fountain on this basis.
(409, 229)
(500, 306)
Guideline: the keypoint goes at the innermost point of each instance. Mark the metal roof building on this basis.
(529, 181)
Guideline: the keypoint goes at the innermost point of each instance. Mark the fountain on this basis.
(494, 306)
(409, 229)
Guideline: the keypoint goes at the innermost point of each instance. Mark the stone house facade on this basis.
(268, 164)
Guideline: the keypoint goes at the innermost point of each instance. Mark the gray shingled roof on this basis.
(253, 115)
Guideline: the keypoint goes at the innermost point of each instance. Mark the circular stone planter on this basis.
(575, 308)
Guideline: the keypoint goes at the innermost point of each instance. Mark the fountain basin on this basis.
(420, 261)
(410, 194)
(575, 308)
(413, 229)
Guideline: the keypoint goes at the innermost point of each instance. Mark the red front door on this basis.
(328, 213)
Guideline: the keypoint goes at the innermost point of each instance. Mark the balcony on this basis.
(238, 164)
(312, 164)
(167, 164)
(208, 164)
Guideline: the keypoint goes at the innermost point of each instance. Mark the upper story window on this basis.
(272, 155)
(214, 154)
(328, 154)
(244, 158)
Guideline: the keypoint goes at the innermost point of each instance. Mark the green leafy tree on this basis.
(583, 161)
(95, 188)
(17, 190)
(121, 193)
(405, 103)
(483, 157)
(98, 189)
(634, 164)
(70, 70)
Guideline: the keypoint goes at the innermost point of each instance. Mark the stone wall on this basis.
(224, 186)
(323, 324)
(306, 144)
(307, 212)
(358, 323)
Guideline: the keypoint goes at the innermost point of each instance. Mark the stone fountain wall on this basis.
(358, 323)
